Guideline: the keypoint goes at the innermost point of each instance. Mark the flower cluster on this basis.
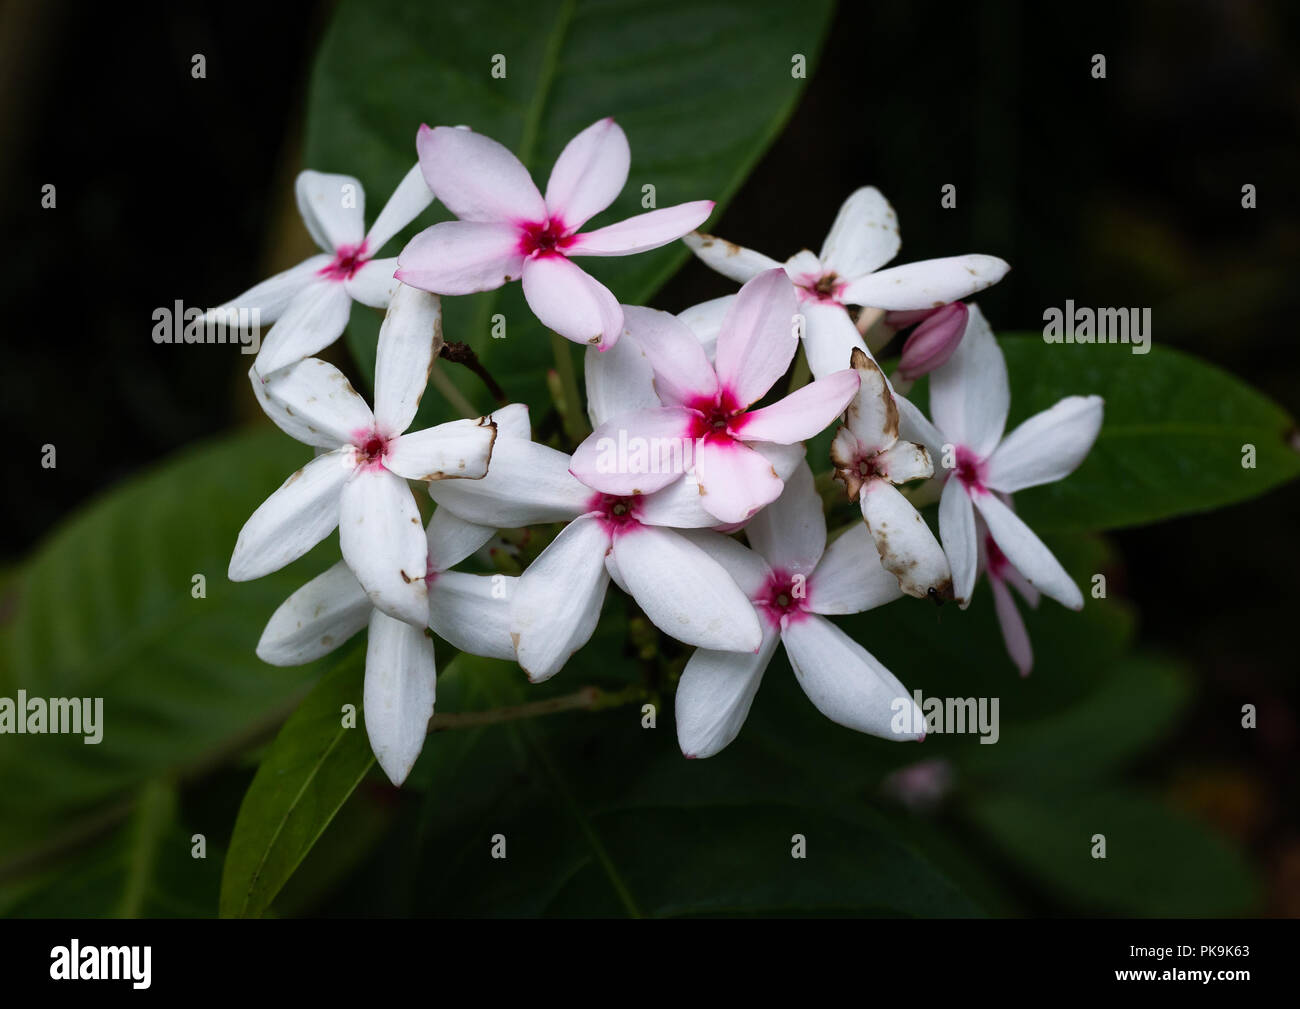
(698, 441)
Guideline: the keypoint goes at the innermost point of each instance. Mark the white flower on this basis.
(508, 230)
(359, 483)
(795, 581)
(310, 303)
(470, 611)
(847, 272)
(706, 408)
(969, 400)
(633, 540)
(870, 459)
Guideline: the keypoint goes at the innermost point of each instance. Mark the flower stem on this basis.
(461, 353)
(586, 699)
(570, 403)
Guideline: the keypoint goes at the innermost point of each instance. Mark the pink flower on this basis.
(508, 230)
(706, 413)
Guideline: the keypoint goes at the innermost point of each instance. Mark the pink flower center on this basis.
(822, 287)
(783, 596)
(617, 514)
(544, 238)
(348, 259)
(717, 419)
(969, 469)
(371, 447)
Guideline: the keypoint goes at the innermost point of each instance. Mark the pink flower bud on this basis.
(901, 320)
(933, 342)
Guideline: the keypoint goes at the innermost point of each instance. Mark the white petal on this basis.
(846, 682)
(957, 532)
(864, 236)
(374, 284)
(705, 321)
(410, 337)
(1012, 623)
(905, 543)
(849, 578)
(757, 340)
(316, 619)
(685, 592)
(682, 373)
(730, 260)
(1048, 446)
(294, 519)
(450, 538)
(619, 378)
(313, 320)
(915, 426)
(408, 201)
(526, 483)
(969, 394)
(637, 453)
(680, 505)
(384, 544)
(476, 178)
(830, 338)
(784, 459)
(397, 700)
(455, 450)
(462, 257)
(557, 600)
(747, 568)
(928, 284)
(316, 395)
(642, 232)
(589, 173)
(272, 296)
(512, 421)
(472, 612)
(571, 301)
(1027, 552)
(333, 207)
(714, 695)
(790, 533)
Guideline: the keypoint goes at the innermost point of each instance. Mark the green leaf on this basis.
(1172, 442)
(700, 90)
(1158, 862)
(312, 767)
(106, 608)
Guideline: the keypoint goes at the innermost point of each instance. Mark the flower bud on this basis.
(933, 341)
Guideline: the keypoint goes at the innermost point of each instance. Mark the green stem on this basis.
(586, 699)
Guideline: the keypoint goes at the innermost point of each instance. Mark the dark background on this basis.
(1119, 192)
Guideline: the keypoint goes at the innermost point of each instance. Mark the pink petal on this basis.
(636, 453)
(571, 302)
(461, 257)
(759, 336)
(802, 414)
(1013, 627)
(643, 232)
(589, 173)
(735, 479)
(682, 373)
(934, 341)
(477, 178)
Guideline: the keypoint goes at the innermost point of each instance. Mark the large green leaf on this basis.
(1173, 439)
(700, 89)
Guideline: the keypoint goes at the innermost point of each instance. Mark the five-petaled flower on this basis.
(847, 272)
(359, 483)
(508, 230)
(707, 407)
(310, 303)
(795, 581)
(969, 401)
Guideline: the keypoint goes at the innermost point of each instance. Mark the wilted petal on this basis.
(730, 260)
(864, 236)
(374, 284)
(450, 538)
(928, 284)
(318, 397)
(905, 544)
(636, 453)
(1048, 446)
(383, 542)
(408, 201)
(830, 338)
(790, 533)
(757, 341)
(571, 301)
(457, 449)
(643, 232)
(846, 682)
(272, 296)
(589, 173)
(462, 257)
(557, 601)
(410, 337)
(969, 396)
(1027, 552)
(512, 421)
(872, 417)
(849, 578)
(957, 531)
(804, 413)
(313, 320)
(737, 481)
(397, 699)
(685, 592)
(472, 612)
(333, 207)
(526, 483)
(316, 619)
(294, 519)
(903, 462)
(714, 695)
(476, 178)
